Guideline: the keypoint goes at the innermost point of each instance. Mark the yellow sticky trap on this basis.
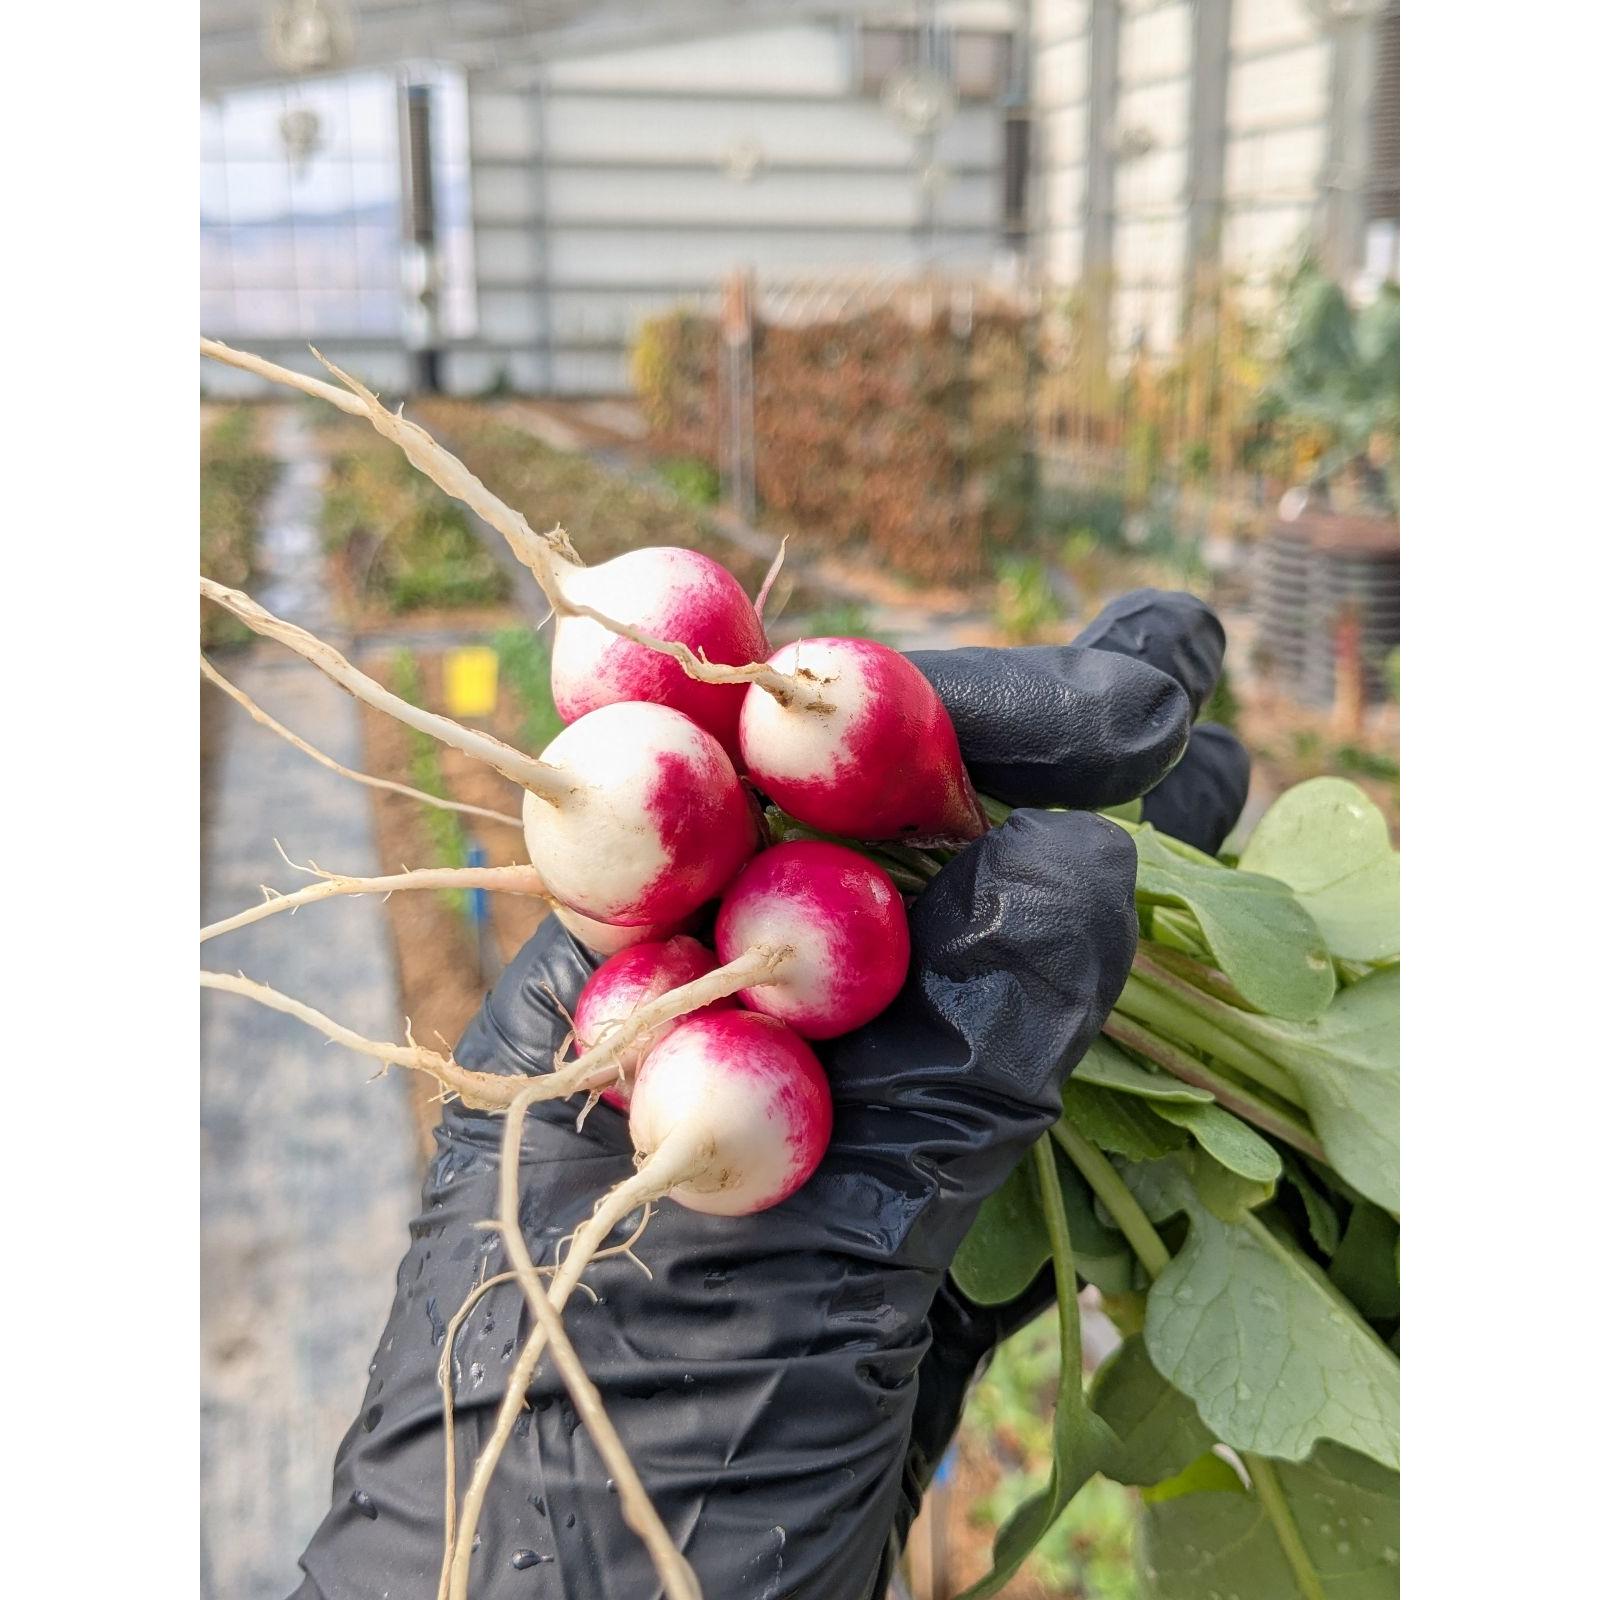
(471, 681)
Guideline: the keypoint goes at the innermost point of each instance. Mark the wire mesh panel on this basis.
(1326, 584)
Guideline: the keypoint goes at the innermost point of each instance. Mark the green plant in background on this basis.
(1223, 706)
(846, 620)
(1335, 392)
(1391, 673)
(1226, 1172)
(695, 481)
(1088, 1553)
(445, 830)
(406, 543)
(235, 479)
(525, 665)
(1026, 608)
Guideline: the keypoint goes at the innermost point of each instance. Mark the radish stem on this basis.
(483, 1091)
(548, 782)
(507, 880)
(1282, 1123)
(1171, 1006)
(1193, 972)
(1154, 1257)
(240, 698)
(771, 577)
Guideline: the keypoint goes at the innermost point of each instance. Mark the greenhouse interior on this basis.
(1055, 340)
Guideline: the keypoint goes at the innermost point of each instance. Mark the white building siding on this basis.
(610, 187)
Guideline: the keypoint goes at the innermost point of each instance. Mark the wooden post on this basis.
(1349, 679)
(738, 392)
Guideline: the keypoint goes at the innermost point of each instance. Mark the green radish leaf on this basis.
(1249, 1328)
(1344, 1509)
(1330, 844)
(1178, 931)
(1006, 1245)
(1119, 1123)
(1222, 1191)
(1159, 1430)
(1257, 932)
(1347, 1064)
(1128, 811)
(1083, 1442)
(1226, 1139)
(1366, 1266)
(1107, 1067)
(1207, 1474)
(1104, 1258)
(1321, 1218)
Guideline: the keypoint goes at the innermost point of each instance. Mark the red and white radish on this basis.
(634, 816)
(862, 746)
(649, 821)
(842, 923)
(618, 987)
(811, 934)
(607, 938)
(731, 1114)
(678, 595)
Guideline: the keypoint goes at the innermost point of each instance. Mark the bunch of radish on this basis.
(651, 805)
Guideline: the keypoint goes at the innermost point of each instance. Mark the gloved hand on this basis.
(784, 1383)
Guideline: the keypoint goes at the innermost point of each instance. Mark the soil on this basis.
(442, 981)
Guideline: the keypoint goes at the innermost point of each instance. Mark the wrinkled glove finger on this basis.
(1020, 948)
(1055, 725)
(1174, 632)
(1201, 799)
(1094, 723)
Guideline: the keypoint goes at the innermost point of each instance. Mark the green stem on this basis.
(1114, 1194)
(1249, 1027)
(1166, 1008)
(995, 810)
(1280, 1123)
(1055, 1214)
(1195, 973)
(1153, 1256)
(1276, 1505)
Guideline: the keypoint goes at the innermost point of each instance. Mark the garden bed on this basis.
(236, 475)
(441, 980)
(605, 512)
(398, 548)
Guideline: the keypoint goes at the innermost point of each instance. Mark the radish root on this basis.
(653, 1180)
(240, 698)
(546, 555)
(482, 1091)
(771, 578)
(507, 880)
(540, 552)
(446, 1354)
(546, 781)
(786, 690)
(760, 964)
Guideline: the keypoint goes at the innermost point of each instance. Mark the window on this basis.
(980, 64)
(301, 218)
(1383, 169)
(884, 52)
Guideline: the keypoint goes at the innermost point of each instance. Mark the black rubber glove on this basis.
(773, 1378)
